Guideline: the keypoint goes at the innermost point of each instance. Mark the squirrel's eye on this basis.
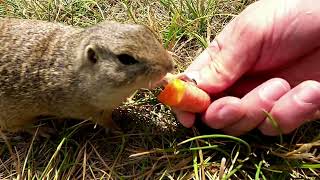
(92, 56)
(127, 59)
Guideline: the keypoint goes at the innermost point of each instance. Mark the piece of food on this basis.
(184, 96)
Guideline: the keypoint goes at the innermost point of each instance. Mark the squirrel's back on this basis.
(30, 53)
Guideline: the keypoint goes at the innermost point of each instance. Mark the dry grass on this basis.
(153, 145)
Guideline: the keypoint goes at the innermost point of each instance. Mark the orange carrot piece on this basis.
(184, 96)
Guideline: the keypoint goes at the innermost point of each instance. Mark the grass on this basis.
(153, 145)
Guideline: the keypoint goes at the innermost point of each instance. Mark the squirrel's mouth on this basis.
(161, 81)
(169, 77)
(158, 76)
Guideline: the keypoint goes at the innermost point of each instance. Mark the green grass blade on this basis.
(257, 176)
(218, 136)
(46, 170)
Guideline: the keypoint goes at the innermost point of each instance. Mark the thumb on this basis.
(232, 53)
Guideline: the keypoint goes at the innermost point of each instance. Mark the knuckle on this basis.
(223, 73)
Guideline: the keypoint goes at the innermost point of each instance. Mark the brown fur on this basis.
(45, 70)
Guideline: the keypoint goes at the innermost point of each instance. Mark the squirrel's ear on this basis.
(91, 54)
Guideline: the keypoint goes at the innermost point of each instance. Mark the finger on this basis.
(256, 102)
(187, 119)
(299, 105)
(223, 112)
(232, 53)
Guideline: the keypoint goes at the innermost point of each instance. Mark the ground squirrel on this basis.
(71, 72)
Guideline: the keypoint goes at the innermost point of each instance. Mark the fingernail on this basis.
(307, 95)
(273, 91)
(193, 75)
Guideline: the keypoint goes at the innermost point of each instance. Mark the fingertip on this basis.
(187, 119)
(297, 107)
(308, 92)
(223, 112)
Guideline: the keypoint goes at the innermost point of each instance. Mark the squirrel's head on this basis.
(117, 59)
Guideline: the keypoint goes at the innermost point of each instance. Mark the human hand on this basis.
(269, 56)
